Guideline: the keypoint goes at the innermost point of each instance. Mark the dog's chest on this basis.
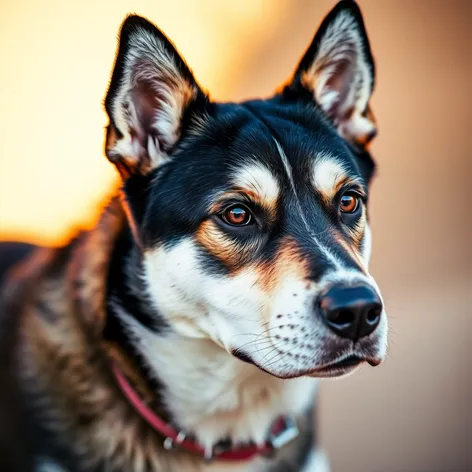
(242, 409)
(214, 396)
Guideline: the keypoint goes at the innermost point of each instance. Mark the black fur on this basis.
(203, 164)
(171, 202)
(11, 253)
(125, 289)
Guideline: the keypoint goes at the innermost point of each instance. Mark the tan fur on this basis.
(288, 261)
(90, 267)
(221, 246)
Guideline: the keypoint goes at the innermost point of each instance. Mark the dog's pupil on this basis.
(348, 202)
(238, 215)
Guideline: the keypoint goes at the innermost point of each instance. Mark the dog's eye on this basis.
(237, 215)
(349, 203)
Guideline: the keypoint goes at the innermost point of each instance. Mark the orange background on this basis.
(412, 413)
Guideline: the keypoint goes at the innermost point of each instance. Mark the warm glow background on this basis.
(412, 414)
(56, 61)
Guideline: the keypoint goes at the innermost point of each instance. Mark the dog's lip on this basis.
(332, 369)
(350, 361)
(342, 366)
(345, 364)
(373, 361)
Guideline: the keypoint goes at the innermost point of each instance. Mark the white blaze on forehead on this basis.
(328, 173)
(257, 178)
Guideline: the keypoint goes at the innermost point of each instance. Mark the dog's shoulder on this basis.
(24, 271)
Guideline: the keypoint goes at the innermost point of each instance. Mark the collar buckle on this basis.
(283, 431)
(209, 454)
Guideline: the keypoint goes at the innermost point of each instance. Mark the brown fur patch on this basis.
(287, 261)
(90, 267)
(232, 254)
(111, 139)
(365, 139)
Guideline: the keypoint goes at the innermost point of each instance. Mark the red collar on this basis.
(283, 430)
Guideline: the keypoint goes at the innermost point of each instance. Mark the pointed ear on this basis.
(152, 95)
(338, 71)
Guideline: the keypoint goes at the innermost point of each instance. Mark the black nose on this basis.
(351, 312)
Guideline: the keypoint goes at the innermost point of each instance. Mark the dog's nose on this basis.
(351, 312)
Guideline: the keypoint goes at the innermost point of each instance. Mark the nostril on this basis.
(373, 315)
(342, 318)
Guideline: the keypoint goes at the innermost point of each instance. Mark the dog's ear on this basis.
(152, 95)
(338, 71)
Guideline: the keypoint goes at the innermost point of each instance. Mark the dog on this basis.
(188, 330)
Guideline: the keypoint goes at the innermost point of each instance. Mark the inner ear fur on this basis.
(152, 92)
(338, 71)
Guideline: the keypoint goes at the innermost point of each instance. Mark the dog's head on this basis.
(252, 218)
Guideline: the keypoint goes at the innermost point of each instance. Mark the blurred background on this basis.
(413, 413)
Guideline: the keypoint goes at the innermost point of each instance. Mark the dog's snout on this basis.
(351, 312)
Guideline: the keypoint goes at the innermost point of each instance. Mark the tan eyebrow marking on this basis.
(258, 182)
(328, 176)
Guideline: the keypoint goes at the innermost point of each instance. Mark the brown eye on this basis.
(237, 215)
(349, 203)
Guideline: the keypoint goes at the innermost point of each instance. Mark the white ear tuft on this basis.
(338, 70)
(150, 91)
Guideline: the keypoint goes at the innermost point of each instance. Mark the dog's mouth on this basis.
(334, 369)
(338, 368)
(342, 367)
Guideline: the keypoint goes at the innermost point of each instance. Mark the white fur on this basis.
(317, 462)
(328, 173)
(367, 245)
(237, 313)
(214, 395)
(342, 42)
(47, 465)
(258, 179)
(234, 311)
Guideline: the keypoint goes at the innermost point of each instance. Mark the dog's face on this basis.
(252, 217)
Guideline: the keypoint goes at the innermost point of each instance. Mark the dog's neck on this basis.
(200, 387)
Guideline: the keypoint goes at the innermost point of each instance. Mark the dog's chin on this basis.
(335, 369)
